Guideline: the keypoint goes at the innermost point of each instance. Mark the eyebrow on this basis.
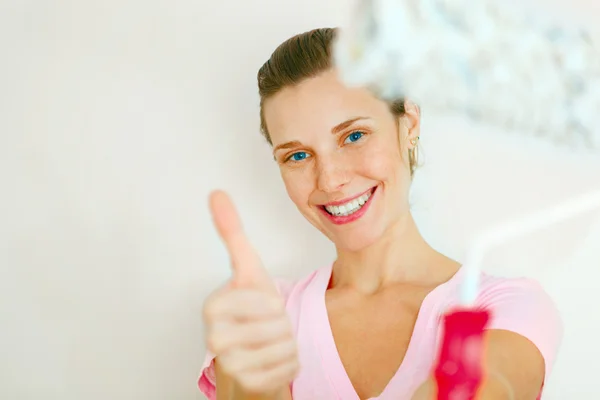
(344, 125)
(335, 130)
(287, 145)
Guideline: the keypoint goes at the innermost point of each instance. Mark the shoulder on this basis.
(300, 292)
(516, 294)
(293, 289)
(522, 306)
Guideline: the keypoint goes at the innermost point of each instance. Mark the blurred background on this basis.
(117, 118)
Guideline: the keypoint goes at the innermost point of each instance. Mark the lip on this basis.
(348, 199)
(342, 220)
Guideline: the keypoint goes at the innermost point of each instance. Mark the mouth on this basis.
(348, 210)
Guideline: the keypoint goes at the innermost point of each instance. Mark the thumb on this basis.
(246, 264)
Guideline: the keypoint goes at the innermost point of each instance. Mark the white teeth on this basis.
(350, 207)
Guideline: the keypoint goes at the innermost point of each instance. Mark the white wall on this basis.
(116, 120)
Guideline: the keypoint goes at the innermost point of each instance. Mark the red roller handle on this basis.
(459, 369)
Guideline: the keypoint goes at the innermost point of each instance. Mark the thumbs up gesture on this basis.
(247, 326)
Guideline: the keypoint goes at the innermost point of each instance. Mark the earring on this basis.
(414, 141)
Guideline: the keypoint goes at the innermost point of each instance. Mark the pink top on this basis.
(517, 305)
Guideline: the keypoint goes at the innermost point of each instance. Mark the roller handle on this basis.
(459, 369)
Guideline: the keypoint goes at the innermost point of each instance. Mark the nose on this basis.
(332, 174)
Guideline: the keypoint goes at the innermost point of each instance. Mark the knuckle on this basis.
(279, 304)
(281, 323)
(239, 363)
(269, 302)
(295, 367)
(261, 330)
(214, 344)
(292, 357)
(228, 365)
(213, 303)
(287, 328)
(293, 348)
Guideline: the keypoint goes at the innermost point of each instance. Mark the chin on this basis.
(352, 238)
(354, 243)
(359, 238)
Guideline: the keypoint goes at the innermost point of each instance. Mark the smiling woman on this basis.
(366, 326)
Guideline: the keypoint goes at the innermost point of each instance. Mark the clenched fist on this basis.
(247, 326)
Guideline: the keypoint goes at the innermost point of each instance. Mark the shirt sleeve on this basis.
(523, 307)
(207, 382)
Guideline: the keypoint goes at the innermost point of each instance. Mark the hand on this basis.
(426, 391)
(247, 326)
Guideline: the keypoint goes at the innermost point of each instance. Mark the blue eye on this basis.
(299, 156)
(354, 137)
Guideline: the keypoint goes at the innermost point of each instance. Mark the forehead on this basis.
(316, 105)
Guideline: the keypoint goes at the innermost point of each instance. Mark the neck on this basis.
(401, 255)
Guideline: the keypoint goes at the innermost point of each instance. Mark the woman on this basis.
(367, 326)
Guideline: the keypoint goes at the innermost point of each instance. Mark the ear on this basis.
(412, 122)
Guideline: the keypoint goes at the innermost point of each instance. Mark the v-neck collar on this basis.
(322, 334)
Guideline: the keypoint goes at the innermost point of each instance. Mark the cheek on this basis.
(298, 187)
(382, 161)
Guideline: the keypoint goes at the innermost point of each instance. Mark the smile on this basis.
(350, 207)
(348, 210)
